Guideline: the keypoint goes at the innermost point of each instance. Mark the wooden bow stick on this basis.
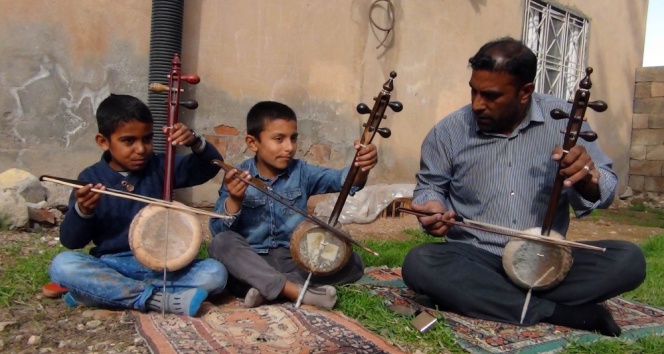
(122, 194)
(460, 221)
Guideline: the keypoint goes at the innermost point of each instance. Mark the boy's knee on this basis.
(213, 277)
(65, 265)
(221, 242)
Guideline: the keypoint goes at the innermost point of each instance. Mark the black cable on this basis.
(390, 16)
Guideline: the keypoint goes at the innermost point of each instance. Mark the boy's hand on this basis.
(87, 199)
(182, 135)
(237, 190)
(367, 156)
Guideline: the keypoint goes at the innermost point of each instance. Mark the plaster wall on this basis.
(60, 59)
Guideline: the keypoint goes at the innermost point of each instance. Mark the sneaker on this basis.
(53, 290)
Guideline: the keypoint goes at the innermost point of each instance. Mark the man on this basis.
(495, 161)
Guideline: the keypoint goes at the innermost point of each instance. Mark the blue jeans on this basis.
(120, 281)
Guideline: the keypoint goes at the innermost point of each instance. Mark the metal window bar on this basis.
(558, 38)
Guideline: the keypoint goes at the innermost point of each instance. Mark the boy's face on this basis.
(130, 146)
(275, 147)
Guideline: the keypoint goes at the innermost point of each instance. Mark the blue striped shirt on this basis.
(504, 180)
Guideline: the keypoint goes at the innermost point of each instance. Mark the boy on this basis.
(254, 245)
(110, 276)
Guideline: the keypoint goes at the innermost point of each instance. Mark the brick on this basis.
(653, 73)
(655, 153)
(638, 152)
(640, 121)
(657, 89)
(636, 183)
(642, 89)
(226, 130)
(649, 105)
(656, 121)
(220, 142)
(647, 136)
(653, 184)
(645, 168)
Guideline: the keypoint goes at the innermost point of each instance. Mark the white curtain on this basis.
(572, 60)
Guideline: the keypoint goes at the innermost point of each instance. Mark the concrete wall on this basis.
(320, 57)
(647, 154)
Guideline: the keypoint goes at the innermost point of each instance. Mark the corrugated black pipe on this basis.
(165, 41)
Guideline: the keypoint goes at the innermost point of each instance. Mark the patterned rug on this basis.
(479, 336)
(227, 327)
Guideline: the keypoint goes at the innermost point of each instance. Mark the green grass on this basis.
(651, 292)
(357, 302)
(639, 215)
(22, 277)
(27, 272)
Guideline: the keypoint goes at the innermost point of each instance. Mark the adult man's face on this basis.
(499, 102)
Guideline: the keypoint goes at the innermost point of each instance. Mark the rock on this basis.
(627, 194)
(93, 324)
(41, 215)
(27, 185)
(34, 340)
(100, 314)
(57, 195)
(13, 209)
(8, 325)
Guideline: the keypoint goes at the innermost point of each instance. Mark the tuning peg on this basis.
(363, 109)
(191, 78)
(157, 87)
(588, 136)
(190, 104)
(598, 106)
(558, 114)
(396, 106)
(384, 132)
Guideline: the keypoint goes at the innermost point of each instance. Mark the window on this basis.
(558, 38)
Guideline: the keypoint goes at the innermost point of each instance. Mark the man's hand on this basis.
(434, 224)
(579, 170)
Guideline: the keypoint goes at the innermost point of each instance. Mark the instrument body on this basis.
(538, 266)
(160, 244)
(319, 250)
(316, 249)
(163, 238)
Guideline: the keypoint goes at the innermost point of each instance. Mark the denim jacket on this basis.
(265, 222)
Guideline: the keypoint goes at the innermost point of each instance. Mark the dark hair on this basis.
(508, 55)
(117, 109)
(264, 112)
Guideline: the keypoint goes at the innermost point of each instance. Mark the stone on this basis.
(8, 325)
(41, 215)
(657, 89)
(57, 195)
(13, 209)
(34, 340)
(640, 121)
(27, 185)
(649, 105)
(627, 193)
(653, 73)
